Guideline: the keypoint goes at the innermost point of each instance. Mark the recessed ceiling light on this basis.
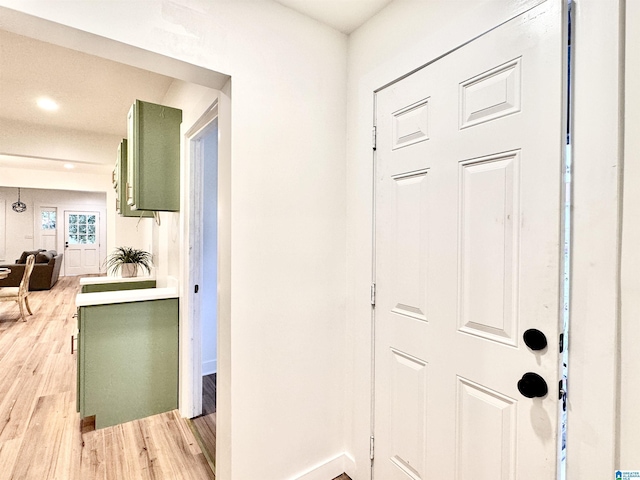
(69, 166)
(47, 104)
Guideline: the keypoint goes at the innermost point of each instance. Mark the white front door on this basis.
(468, 250)
(82, 243)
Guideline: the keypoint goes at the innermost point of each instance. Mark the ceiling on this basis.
(343, 15)
(94, 94)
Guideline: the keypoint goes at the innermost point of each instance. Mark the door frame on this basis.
(195, 258)
(190, 363)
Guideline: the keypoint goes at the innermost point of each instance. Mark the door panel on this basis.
(408, 417)
(488, 255)
(409, 289)
(486, 432)
(468, 217)
(82, 243)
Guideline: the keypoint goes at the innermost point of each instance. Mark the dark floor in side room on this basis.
(205, 424)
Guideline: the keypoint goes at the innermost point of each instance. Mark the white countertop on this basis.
(104, 280)
(125, 296)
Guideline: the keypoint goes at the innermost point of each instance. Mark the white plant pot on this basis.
(129, 270)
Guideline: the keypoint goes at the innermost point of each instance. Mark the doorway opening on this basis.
(175, 268)
(203, 154)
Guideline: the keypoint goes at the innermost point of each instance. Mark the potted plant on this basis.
(128, 260)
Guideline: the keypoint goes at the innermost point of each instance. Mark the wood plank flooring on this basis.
(40, 435)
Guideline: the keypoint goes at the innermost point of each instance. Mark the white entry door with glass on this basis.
(468, 248)
(82, 243)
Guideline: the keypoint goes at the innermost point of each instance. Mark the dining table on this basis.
(4, 272)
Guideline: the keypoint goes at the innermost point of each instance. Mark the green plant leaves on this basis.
(122, 255)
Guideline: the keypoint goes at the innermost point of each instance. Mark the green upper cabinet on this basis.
(119, 181)
(153, 171)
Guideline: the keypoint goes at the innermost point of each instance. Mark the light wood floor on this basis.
(40, 434)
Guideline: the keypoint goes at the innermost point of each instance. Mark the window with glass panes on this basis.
(82, 229)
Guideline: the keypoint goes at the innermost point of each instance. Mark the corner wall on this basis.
(630, 277)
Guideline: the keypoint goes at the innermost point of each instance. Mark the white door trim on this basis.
(593, 431)
(191, 396)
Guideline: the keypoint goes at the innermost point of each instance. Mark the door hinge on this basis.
(561, 343)
(371, 447)
(562, 394)
(374, 137)
(373, 294)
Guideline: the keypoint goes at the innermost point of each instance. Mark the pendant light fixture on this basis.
(18, 206)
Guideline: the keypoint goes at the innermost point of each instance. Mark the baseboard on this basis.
(329, 469)
(209, 367)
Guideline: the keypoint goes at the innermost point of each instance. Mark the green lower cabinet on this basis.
(124, 285)
(127, 360)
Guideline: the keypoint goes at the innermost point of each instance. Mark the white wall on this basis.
(19, 226)
(3, 230)
(630, 278)
(40, 141)
(594, 338)
(408, 34)
(286, 330)
(132, 232)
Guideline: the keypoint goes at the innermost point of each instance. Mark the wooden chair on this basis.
(19, 294)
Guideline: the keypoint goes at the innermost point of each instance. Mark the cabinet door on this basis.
(122, 205)
(153, 175)
(129, 360)
(115, 179)
(131, 142)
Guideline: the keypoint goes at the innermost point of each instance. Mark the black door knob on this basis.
(532, 385)
(535, 339)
